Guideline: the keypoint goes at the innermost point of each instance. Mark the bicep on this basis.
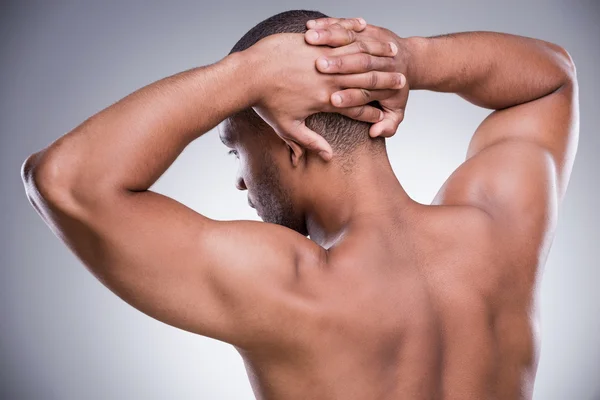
(228, 280)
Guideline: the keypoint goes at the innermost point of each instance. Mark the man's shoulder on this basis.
(456, 222)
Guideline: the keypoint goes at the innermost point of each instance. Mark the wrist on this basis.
(246, 71)
(413, 50)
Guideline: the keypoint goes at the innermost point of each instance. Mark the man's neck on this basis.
(366, 195)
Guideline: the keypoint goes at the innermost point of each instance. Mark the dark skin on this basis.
(391, 299)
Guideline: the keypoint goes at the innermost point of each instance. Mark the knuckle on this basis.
(362, 46)
(366, 95)
(351, 36)
(311, 143)
(338, 63)
(390, 63)
(373, 80)
(378, 64)
(366, 62)
(373, 116)
(359, 112)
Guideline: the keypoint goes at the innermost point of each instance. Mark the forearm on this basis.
(130, 144)
(492, 70)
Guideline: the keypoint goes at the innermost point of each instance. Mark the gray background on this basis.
(65, 336)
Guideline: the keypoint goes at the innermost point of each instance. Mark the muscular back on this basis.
(413, 310)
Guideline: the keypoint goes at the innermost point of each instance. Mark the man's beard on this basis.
(273, 201)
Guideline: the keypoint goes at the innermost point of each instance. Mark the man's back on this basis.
(411, 308)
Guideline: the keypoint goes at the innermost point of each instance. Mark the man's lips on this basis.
(250, 203)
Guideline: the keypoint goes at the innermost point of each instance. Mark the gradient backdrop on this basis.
(65, 336)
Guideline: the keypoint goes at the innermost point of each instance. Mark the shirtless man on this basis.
(389, 298)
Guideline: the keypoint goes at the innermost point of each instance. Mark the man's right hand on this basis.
(336, 32)
(292, 88)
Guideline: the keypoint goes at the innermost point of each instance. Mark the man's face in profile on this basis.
(265, 171)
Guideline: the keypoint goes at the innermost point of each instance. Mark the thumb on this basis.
(311, 140)
(388, 126)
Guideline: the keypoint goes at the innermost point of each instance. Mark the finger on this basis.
(333, 36)
(371, 80)
(364, 113)
(321, 22)
(312, 141)
(359, 97)
(372, 47)
(355, 63)
(388, 126)
(355, 24)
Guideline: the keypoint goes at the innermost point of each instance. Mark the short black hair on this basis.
(343, 134)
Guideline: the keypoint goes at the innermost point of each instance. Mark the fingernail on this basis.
(362, 21)
(313, 35)
(394, 48)
(380, 117)
(402, 80)
(337, 99)
(323, 63)
(311, 23)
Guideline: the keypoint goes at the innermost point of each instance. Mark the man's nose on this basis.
(240, 184)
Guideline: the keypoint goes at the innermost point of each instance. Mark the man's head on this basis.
(279, 190)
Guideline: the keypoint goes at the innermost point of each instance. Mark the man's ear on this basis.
(296, 152)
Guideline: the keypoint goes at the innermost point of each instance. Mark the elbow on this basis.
(34, 172)
(566, 64)
(27, 169)
(42, 175)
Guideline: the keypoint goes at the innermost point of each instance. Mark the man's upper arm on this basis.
(519, 163)
(241, 282)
